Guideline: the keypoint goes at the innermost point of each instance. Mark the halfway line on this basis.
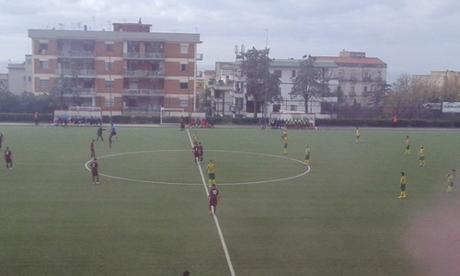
(216, 221)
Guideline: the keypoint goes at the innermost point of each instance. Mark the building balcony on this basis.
(153, 110)
(77, 73)
(76, 54)
(143, 73)
(148, 55)
(80, 92)
(144, 92)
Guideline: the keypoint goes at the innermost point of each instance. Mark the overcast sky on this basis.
(411, 36)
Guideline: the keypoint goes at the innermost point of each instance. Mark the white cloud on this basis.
(410, 35)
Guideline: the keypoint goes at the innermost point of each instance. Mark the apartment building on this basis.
(129, 70)
(357, 75)
(440, 78)
(20, 76)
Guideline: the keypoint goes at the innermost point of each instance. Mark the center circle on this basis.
(305, 169)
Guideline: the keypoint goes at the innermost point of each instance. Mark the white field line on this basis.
(199, 184)
(216, 221)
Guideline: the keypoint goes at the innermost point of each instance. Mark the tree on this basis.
(310, 81)
(65, 86)
(261, 86)
(376, 97)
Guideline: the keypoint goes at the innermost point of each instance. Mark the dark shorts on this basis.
(451, 184)
(8, 160)
(213, 203)
(421, 158)
(95, 173)
(285, 145)
(403, 187)
(212, 176)
(407, 147)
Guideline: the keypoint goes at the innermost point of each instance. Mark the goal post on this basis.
(168, 112)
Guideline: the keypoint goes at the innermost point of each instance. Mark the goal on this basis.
(169, 112)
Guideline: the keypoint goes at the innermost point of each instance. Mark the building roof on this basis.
(290, 63)
(114, 36)
(361, 61)
(16, 66)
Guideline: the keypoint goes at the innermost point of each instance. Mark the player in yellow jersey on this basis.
(450, 181)
(284, 137)
(407, 150)
(195, 139)
(421, 156)
(357, 134)
(307, 155)
(403, 183)
(211, 171)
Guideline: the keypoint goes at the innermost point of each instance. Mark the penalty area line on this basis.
(216, 221)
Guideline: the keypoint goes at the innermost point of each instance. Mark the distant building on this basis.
(440, 78)
(129, 70)
(20, 76)
(357, 75)
(3, 82)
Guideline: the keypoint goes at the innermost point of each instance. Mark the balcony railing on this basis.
(75, 53)
(143, 92)
(143, 73)
(80, 92)
(147, 55)
(80, 72)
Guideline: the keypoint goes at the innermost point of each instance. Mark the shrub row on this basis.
(24, 117)
(387, 123)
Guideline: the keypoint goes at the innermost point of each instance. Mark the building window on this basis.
(44, 64)
(183, 102)
(109, 101)
(108, 65)
(109, 84)
(277, 73)
(43, 48)
(109, 47)
(293, 107)
(44, 84)
(293, 74)
(29, 78)
(184, 48)
(183, 85)
(183, 67)
(239, 103)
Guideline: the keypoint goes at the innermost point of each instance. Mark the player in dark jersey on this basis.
(213, 199)
(1, 139)
(94, 171)
(200, 152)
(92, 149)
(196, 152)
(8, 158)
(99, 133)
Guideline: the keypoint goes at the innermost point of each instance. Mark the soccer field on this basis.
(149, 215)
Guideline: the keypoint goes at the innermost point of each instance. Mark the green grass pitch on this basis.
(342, 218)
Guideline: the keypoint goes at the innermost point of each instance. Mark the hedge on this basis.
(24, 117)
(387, 123)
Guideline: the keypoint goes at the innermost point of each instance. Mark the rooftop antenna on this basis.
(140, 20)
(266, 38)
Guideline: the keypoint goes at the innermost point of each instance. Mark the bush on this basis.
(24, 117)
(387, 123)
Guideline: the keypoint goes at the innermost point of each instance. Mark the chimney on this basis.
(85, 28)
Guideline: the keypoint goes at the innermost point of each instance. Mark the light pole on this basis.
(111, 100)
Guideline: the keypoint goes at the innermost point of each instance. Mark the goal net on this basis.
(166, 114)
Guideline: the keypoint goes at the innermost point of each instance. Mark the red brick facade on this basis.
(137, 68)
